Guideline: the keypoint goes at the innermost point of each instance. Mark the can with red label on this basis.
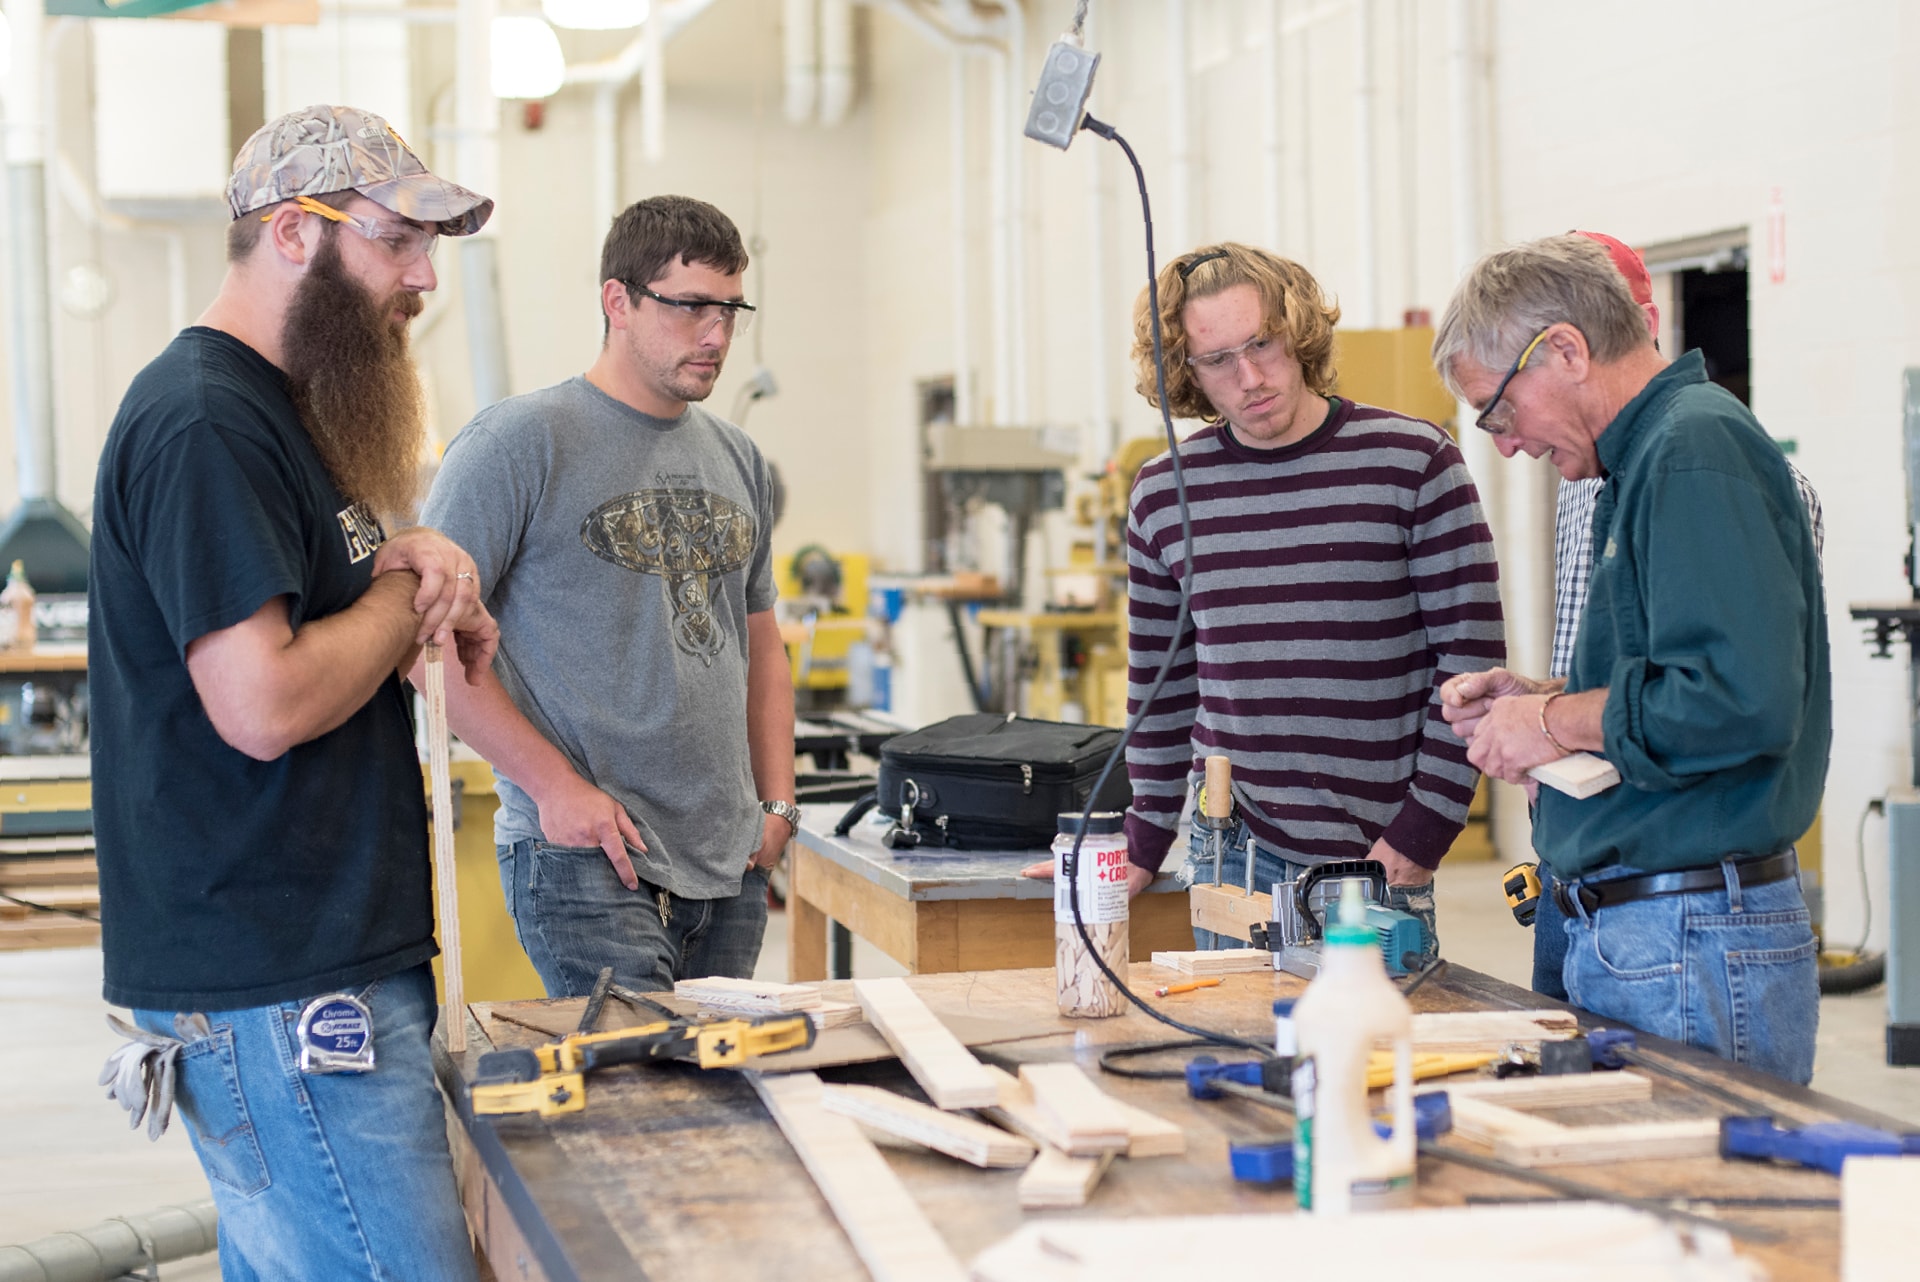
(1101, 879)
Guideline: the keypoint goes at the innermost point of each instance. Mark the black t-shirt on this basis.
(227, 882)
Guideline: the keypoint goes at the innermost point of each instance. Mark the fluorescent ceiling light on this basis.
(527, 62)
(595, 15)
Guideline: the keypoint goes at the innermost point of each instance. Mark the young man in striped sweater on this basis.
(1342, 569)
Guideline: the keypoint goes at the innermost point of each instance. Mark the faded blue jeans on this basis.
(1416, 901)
(573, 917)
(325, 1176)
(1732, 971)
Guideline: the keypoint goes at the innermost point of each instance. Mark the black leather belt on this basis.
(1758, 870)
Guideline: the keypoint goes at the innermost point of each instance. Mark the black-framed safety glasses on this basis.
(1501, 424)
(702, 313)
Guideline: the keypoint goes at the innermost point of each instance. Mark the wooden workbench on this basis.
(672, 1173)
(939, 910)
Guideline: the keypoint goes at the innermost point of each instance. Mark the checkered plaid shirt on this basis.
(1573, 556)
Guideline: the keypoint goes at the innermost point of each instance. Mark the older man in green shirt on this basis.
(1700, 670)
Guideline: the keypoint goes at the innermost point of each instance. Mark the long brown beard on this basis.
(353, 381)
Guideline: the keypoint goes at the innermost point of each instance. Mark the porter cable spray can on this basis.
(1102, 879)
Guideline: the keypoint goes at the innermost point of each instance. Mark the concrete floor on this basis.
(68, 1161)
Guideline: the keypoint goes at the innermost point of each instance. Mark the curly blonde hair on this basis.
(1297, 312)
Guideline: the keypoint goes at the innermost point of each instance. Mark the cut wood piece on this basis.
(1580, 775)
(1569, 1090)
(445, 876)
(1228, 910)
(945, 1069)
(890, 1232)
(1467, 1031)
(1086, 1118)
(1057, 1179)
(1218, 961)
(948, 1133)
(49, 870)
(72, 898)
(1877, 1197)
(749, 996)
(1149, 1135)
(834, 1015)
(1626, 1142)
(1488, 1123)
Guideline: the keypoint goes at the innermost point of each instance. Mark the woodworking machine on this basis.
(1300, 908)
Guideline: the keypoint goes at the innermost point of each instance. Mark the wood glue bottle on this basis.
(1102, 876)
(1340, 1163)
(18, 598)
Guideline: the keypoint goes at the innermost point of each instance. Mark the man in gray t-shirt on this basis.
(640, 715)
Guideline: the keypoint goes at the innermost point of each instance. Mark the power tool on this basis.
(1300, 909)
(549, 1080)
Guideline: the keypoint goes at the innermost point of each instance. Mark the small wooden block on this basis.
(1227, 910)
(1088, 1119)
(750, 996)
(834, 1015)
(1580, 775)
(948, 1133)
(1057, 1179)
(945, 1069)
(1149, 1135)
(1217, 961)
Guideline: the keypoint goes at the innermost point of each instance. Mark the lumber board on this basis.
(1149, 1134)
(892, 1235)
(1877, 1198)
(1467, 1031)
(77, 898)
(833, 1015)
(748, 996)
(949, 1133)
(1486, 1122)
(48, 930)
(48, 870)
(445, 865)
(1085, 1117)
(1567, 1090)
(1624, 1142)
(945, 1069)
(1227, 910)
(1057, 1179)
(1216, 961)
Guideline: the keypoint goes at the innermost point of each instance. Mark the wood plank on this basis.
(1149, 1134)
(49, 870)
(749, 996)
(1625, 1142)
(1580, 775)
(1084, 1116)
(948, 1133)
(806, 930)
(1877, 1199)
(1057, 1179)
(834, 1015)
(1567, 1090)
(892, 1235)
(882, 919)
(1227, 910)
(1469, 1031)
(945, 1069)
(77, 898)
(1216, 961)
(1486, 1122)
(46, 930)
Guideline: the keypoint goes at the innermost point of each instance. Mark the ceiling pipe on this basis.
(477, 166)
(800, 35)
(32, 314)
(1019, 277)
(1366, 266)
(963, 402)
(836, 60)
(1179, 136)
(1272, 77)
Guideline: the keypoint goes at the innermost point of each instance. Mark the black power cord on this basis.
(1070, 867)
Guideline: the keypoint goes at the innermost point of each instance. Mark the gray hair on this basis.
(1512, 294)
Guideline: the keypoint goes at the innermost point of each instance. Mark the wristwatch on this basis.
(786, 810)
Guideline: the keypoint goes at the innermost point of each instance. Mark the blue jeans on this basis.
(1416, 901)
(325, 1176)
(1732, 971)
(1549, 942)
(573, 917)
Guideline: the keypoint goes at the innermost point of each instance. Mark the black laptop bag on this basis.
(991, 781)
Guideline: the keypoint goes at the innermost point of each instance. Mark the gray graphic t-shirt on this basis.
(622, 554)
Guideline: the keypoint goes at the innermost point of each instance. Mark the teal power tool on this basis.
(1824, 1147)
(1300, 908)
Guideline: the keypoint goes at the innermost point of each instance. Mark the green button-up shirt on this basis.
(1706, 625)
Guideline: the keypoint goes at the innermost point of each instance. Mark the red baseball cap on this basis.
(1628, 260)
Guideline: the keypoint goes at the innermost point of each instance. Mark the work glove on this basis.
(139, 1075)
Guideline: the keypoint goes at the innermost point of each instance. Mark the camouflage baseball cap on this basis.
(321, 149)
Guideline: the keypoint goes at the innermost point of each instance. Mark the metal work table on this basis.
(672, 1173)
(939, 910)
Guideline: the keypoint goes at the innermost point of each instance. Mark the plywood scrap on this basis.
(1580, 775)
(944, 1132)
(1625, 1142)
(1877, 1199)
(1149, 1135)
(834, 1015)
(1467, 1031)
(1086, 1119)
(1228, 910)
(1216, 961)
(748, 996)
(1566, 1090)
(945, 1069)
(1057, 1179)
(890, 1232)
(1459, 1244)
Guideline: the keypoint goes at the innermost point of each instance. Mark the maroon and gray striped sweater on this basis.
(1337, 582)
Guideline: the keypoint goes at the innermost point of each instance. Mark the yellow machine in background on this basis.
(822, 612)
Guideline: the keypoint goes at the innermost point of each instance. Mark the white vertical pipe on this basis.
(1180, 135)
(1104, 439)
(836, 60)
(999, 260)
(1366, 267)
(477, 166)
(1407, 62)
(963, 408)
(606, 155)
(653, 87)
(31, 313)
(1272, 108)
(1019, 278)
(800, 45)
(1465, 133)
